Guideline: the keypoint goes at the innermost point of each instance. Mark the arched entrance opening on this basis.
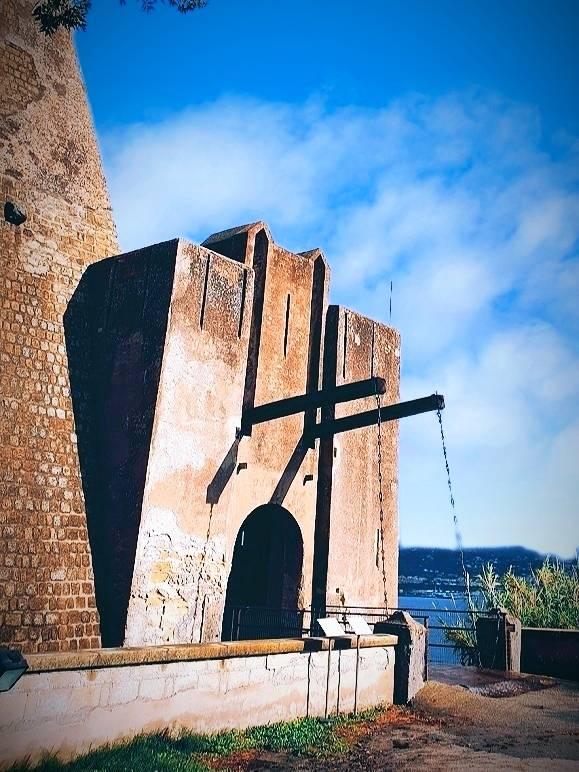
(266, 570)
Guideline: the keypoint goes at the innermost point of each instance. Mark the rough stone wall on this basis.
(244, 329)
(240, 333)
(182, 555)
(349, 559)
(49, 165)
(278, 467)
(71, 711)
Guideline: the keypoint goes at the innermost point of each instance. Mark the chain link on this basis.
(457, 533)
(381, 498)
(458, 536)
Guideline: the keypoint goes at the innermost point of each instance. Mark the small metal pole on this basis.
(238, 620)
(330, 641)
(202, 618)
(339, 682)
(506, 636)
(426, 649)
(357, 668)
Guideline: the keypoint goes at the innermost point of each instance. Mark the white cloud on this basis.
(473, 215)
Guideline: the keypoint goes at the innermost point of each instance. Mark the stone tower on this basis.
(192, 513)
(49, 168)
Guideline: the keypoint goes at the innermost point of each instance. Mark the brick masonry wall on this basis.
(71, 711)
(50, 166)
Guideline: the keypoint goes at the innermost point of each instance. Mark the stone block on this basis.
(210, 682)
(410, 668)
(152, 689)
(237, 679)
(185, 683)
(498, 637)
(122, 692)
(16, 711)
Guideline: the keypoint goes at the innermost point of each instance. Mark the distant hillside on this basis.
(429, 571)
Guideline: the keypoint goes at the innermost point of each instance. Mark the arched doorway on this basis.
(263, 586)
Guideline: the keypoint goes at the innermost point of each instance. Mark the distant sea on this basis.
(432, 603)
(430, 576)
(431, 580)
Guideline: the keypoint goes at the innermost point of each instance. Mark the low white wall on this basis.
(67, 704)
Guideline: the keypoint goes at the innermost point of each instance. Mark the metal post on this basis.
(202, 618)
(238, 618)
(357, 669)
(426, 649)
(330, 641)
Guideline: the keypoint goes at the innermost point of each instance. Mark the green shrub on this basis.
(463, 637)
(549, 598)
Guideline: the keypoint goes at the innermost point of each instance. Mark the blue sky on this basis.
(434, 144)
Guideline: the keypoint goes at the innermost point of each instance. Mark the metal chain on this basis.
(457, 533)
(381, 499)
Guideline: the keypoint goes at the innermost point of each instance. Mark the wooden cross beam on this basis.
(369, 417)
(345, 393)
(315, 399)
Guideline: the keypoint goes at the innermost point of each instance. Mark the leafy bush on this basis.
(549, 598)
(463, 638)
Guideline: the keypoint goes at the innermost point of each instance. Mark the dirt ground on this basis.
(453, 728)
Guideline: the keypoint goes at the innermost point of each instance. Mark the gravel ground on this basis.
(452, 728)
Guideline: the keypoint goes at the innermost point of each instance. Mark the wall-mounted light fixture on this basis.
(12, 666)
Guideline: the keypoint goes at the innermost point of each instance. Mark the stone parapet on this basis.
(69, 703)
(152, 655)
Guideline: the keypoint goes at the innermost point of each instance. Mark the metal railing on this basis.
(446, 627)
(451, 634)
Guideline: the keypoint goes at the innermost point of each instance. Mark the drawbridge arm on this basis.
(315, 399)
(369, 417)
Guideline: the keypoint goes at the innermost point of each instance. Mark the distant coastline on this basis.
(427, 571)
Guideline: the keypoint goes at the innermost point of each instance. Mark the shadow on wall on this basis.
(115, 327)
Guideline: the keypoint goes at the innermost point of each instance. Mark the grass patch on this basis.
(190, 752)
(146, 752)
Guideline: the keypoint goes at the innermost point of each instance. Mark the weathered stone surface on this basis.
(498, 637)
(348, 502)
(222, 655)
(49, 167)
(242, 328)
(123, 387)
(411, 654)
(70, 710)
